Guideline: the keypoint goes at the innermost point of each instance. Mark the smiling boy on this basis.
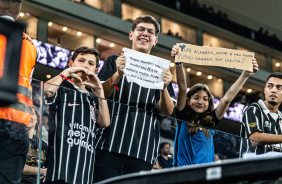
(130, 144)
(73, 96)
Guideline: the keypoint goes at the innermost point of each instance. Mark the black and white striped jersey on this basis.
(257, 117)
(71, 145)
(133, 130)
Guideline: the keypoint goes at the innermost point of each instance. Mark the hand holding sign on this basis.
(167, 77)
(120, 64)
(147, 70)
(255, 68)
(214, 56)
(174, 51)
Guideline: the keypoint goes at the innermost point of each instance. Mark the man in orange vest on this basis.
(15, 117)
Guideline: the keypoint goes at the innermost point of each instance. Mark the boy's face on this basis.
(87, 61)
(273, 91)
(33, 119)
(143, 37)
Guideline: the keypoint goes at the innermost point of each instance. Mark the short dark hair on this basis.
(275, 75)
(163, 144)
(86, 50)
(147, 19)
(10, 7)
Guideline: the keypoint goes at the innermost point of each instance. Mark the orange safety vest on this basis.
(21, 110)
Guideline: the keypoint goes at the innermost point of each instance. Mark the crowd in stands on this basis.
(221, 19)
(96, 127)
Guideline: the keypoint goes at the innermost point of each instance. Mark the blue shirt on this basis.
(194, 149)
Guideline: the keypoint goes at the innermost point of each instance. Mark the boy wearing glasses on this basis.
(262, 121)
(130, 144)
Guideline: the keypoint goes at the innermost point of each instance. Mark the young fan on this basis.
(77, 105)
(193, 143)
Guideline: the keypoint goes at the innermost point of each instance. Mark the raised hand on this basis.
(94, 84)
(75, 72)
(255, 68)
(174, 51)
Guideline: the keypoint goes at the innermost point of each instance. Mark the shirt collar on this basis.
(266, 110)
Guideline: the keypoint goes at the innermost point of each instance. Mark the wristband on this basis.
(178, 63)
(64, 77)
(114, 84)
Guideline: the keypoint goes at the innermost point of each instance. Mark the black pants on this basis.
(12, 157)
(108, 165)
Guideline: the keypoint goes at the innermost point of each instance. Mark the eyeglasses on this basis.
(141, 30)
(198, 98)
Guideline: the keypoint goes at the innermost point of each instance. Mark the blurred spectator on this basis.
(204, 7)
(260, 30)
(178, 36)
(169, 32)
(165, 160)
(266, 32)
(31, 164)
(211, 9)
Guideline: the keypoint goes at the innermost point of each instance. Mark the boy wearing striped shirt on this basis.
(76, 99)
(130, 144)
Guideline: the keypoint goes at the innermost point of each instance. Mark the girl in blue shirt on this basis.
(193, 143)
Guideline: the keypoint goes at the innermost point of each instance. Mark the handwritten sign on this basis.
(144, 69)
(214, 56)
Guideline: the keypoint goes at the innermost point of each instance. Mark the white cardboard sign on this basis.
(144, 69)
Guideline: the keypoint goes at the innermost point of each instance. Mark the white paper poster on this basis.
(144, 69)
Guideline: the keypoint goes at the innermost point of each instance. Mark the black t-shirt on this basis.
(72, 120)
(32, 158)
(134, 129)
(194, 149)
(165, 163)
